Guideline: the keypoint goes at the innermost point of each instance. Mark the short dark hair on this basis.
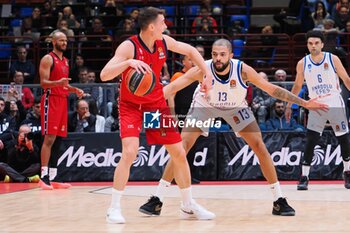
(148, 15)
(316, 34)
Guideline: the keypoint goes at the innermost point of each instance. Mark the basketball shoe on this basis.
(303, 183)
(195, 211)
(59, 185)
(152, 207)
(114, 215)
(346, 176)
(44, 183)
(281, 207)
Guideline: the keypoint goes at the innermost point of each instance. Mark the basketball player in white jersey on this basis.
(321, 71)
(227, 100)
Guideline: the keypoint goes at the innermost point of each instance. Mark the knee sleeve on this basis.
(344, 146)
(312, 138)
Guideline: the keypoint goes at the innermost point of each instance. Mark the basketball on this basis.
(140, 84)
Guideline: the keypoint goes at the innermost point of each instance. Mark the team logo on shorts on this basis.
(325, 66)
(232, 83)
(151, 120)
(236, 119)
(337, 128)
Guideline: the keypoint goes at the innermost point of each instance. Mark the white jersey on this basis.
(230, 93)
(321, 79)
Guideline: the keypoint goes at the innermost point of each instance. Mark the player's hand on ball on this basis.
(140, 66)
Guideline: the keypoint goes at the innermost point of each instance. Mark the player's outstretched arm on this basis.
(341, 71)
(190, 51)
(189, 77)
(249, 74)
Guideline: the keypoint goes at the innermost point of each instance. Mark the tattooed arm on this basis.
(250, 75)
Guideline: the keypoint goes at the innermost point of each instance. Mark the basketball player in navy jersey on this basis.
(54, 79)
(227, 99)
(147, 52)
(321, 71)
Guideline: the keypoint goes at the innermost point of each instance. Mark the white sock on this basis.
(116, 195)
(186, 196)
(346, 165)
(161, 188)
(52, 173)
(276, 190)
(305, 170)
(44, 171)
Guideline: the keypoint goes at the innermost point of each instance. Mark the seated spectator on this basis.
(205, 27)
(81, 120)
(197, 22)
(27, 94)
(278, 122)
(74, 72)
(15, 109)
(112, 122)
(68, 15)
(33, 117)
(90, 91)
(262, 102)
(62, 26)
(7, 123)
(127, 29)
(37, 21)
(98, 30)
(23, 162)
(341, 17)
(201, 50)
(133, 15)
(320, 14)
(23, 65)
(100, 120)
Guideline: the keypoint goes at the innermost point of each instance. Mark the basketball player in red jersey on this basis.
(146, 52)
(54, 79)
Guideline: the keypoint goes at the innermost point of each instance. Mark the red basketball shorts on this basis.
(131, 117)
(54, 115)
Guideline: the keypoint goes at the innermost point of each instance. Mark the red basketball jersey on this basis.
(155, 60)
(59, 69)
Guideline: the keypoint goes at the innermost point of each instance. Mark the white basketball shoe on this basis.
(114, 215)
(195, 211)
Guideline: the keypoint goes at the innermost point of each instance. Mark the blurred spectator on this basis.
(110, 3)
(341, 17)
(336, 6)
(37, 21)
(49, 10)
(62, 26)
(320, 13)
(91, 76)
(27, 94)
(201, 50)
(100, 120)
(262, 102)
(33, 117)
(197, 22)
(81, 120)
(268, 41)
(14, 107)
(23, 65)
(127, 29)
(74, 72)
(97, 29)
(7, 123)
(90, 91)
(119, 11)
(280, 75)
(205, 27)
(180, 102)
(23, 164)
(278, 120)
(112, 122)
(133, 15)
(68, 15)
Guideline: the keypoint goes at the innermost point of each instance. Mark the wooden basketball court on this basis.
(239, 206)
